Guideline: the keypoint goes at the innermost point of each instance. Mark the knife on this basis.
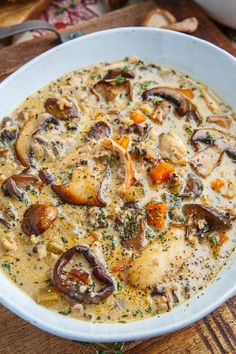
(38, 24)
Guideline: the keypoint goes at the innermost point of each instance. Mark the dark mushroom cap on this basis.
(9, 134)
(52, 107)
(12, 185)
(72, 289)
(178, 99)
(38, 218)
(110, 89)
(99, 131)
(216, 219)
(193, 186)
(113, 73)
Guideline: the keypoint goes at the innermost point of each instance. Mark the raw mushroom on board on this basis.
(161, 18)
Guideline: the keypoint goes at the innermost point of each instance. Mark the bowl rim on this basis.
(91, 337)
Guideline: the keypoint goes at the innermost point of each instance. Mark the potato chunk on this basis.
(160, 260)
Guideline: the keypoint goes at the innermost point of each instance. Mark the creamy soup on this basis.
(117, 191)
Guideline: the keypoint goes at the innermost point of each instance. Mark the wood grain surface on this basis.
(14, 13)
(214, 334)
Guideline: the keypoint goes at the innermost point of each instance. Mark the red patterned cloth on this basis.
(63, 13)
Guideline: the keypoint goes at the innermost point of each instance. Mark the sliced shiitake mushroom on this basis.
(62, 109)
(23, 145)
(183, 105)
(38, 218)
(8, 129)
(131, 228)
(78, 290)
(46, 176)
(110, 89)
(5, 223)
(214, 218)
(113, 73)
(177, 98)
(13, 185)
(86, 185)
(100, 130)
(125, 156)
(193, 186)
(221, 120)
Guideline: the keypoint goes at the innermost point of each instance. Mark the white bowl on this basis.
(190, 55)
(223, 11)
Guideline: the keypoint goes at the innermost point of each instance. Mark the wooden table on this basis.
(215, 333)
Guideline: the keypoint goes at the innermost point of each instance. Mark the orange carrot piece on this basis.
(80, 275)
(94, 235)
(161, 172)
(223, 238)
(156, 214)
(217, 184)
(120, 265)
(187, 93)
(138, 118)
(122, 140)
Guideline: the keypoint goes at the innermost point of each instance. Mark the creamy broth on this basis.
(132, 162)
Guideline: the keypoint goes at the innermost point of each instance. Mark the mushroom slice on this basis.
(110, 89)
(86, 185)
(221, 138)
(113, 73)
(131, 228)
(23, 145)
(160, 260)
(125, 156)
(5, 223)
(193, 186)
(212, 136)
(161, 112)
(12, 185)
(76, 288)
(158, 18)
(221, 120)
(205, 161)
(205, 219)
(99, 131)
(38, 218)
(188, 25)
(46, 176)
(177, 98)
(62, 109)
(172, 148)
(8, 129)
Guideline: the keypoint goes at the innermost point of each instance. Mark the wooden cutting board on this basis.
(14, 13)
(216, 333)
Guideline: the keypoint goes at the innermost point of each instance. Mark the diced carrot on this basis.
(217, 184)
(161, 172)
(138, 118)
(187, 93)
(120, 265)
(223, 238)
(216, 250)
(122, 140)
(94, 235)
(156, 214)
(80, 275)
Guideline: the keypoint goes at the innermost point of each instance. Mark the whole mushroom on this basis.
(38, 218)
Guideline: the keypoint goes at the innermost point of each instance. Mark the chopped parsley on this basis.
(7, 265)
(64, 240)
(119, 79)
(214, 240)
